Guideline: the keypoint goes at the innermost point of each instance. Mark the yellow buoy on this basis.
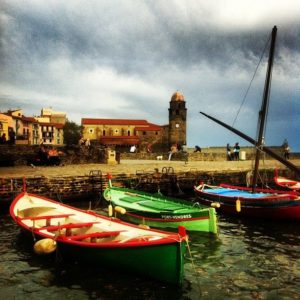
(215, 205)
(144, 226)
(238, 205)
(120, 210)
(44, 246)
(110, 210)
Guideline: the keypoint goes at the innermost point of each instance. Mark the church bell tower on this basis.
(177, 120)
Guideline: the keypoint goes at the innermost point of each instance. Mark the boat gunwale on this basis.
(168, 238)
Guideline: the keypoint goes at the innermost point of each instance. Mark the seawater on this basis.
(248, 260)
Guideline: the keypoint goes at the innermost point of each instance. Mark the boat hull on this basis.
(200, 223)
(161, 212)
(287, 183)
(281, 206)
(101, 241)
(162, 262)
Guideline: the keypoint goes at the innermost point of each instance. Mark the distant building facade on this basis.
(5, 124)
(46, 129)
(121, 132)
(127, 132)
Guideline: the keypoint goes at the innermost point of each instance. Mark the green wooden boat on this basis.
(158, 211)
(80, 235)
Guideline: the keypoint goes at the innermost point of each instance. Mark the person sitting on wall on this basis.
(3, 139)
(53, 158)
(81, 142)
(174, 149)
(149, 148)
(12, 136)
(43, 155)
(197, 149)
(88, 143)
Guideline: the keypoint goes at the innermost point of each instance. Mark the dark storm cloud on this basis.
(112, 38)
(135, 54)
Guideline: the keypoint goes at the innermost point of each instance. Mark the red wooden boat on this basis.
(99, 240)
(253, 202)
(264, 203)
(291, 184)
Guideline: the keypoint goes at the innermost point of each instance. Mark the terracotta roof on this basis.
(85, 121)
(29, 119)
(152, 127)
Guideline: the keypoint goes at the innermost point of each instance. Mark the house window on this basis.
(156, 133)
(128, 132)
(91, 130)
(144, 132)
(103, 133)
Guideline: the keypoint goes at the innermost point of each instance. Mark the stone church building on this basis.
(146, 136)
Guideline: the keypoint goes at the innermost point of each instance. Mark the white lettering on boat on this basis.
(187, 216)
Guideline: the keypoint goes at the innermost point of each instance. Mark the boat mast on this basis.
(258, 144)
(264, 108)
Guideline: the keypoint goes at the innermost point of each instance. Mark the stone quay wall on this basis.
(90, 187)
(207, 154)
(18, 155)
(79, 177)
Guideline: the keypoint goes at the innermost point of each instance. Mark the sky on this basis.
(125, 59)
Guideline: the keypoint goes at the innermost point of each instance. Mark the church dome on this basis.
(177, 96)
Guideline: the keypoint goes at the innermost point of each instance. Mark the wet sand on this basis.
(133, 166)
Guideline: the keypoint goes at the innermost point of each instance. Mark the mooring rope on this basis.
(194, 267)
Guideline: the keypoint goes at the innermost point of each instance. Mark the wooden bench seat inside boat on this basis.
(47, 217)
(68, 226)
(101, 234)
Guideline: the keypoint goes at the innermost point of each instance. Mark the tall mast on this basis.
(264, 108)
(259, 144)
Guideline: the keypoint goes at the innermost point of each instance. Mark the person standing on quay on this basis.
(236, 151)
(228, 151)
(287, 152)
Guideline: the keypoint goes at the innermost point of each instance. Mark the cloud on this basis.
(124, 59)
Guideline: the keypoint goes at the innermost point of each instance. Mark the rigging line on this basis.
(245, 96)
